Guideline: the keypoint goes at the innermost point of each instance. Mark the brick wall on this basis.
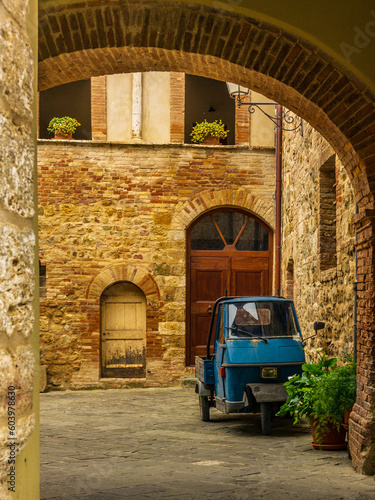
(112, 212)
(98, 108)
(177, 101)
(362, 420)
(242, 126)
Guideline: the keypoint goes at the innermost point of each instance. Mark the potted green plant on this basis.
(324, 392)
(63, 127)
(209, 132)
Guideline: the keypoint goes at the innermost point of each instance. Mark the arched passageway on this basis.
(79, 40)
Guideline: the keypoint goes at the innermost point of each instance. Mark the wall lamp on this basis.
(286, 121)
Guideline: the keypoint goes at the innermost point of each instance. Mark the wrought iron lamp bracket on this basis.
(289, 122)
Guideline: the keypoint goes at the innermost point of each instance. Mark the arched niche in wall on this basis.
(123, 331)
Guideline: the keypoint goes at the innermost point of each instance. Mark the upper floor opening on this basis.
(153, 107)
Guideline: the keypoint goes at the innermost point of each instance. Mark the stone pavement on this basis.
(150, 443)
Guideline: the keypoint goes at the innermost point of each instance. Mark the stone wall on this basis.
(112, 212)
(17, 359)
(318, 254)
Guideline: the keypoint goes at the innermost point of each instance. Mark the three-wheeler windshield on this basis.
(261, 320)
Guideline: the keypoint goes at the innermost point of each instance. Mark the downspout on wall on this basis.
(355, 288)
(279, 111)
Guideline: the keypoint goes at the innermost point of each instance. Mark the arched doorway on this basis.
(123, 331)
(229, 253)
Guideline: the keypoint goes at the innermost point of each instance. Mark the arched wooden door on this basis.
(123, 336)
(229, 252)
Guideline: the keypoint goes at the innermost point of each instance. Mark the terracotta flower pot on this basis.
(331, 439)
(346, 419)
(60, 137)
(211, 140)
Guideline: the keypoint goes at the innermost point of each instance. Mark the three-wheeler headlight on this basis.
(268, 372)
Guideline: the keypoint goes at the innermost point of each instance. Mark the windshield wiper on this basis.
(236, 329)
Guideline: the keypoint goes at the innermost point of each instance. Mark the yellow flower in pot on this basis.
(209, 132)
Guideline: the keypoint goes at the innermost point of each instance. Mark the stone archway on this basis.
(79, 40)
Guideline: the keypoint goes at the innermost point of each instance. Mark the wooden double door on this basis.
(231, 269)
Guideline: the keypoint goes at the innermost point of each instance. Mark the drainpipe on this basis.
(355, 296)
(278, 199)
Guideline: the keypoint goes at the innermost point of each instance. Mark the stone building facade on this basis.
(120, 206)
(318, 240)
(119, 212)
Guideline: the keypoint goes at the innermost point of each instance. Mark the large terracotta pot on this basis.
(332, 439)
(346, 418)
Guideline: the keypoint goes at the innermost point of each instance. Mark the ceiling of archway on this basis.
(342, 28)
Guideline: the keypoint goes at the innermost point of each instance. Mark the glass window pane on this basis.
(230, 224)
(220, 338)
(282, 322)
(254, 238)
(261, 319)
(204, 236)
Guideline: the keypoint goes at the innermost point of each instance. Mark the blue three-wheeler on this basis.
(257, 346)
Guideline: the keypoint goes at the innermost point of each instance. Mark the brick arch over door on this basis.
(79, 40)
(122, 272)
(187, 212)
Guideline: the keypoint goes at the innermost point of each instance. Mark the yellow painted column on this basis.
(27, 476)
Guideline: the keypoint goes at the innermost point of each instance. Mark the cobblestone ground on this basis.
(151, 443)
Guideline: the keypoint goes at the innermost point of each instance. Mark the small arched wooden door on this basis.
(229, 253)
(123, 331)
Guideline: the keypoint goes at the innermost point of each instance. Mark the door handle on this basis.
(209, 309)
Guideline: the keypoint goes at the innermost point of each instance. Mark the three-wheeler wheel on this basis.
(266, 418)
(204, 406)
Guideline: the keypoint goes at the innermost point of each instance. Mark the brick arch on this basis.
(123, 272)
(79, 40)
(187, 212)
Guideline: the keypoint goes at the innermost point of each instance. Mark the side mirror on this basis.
(319, 325)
